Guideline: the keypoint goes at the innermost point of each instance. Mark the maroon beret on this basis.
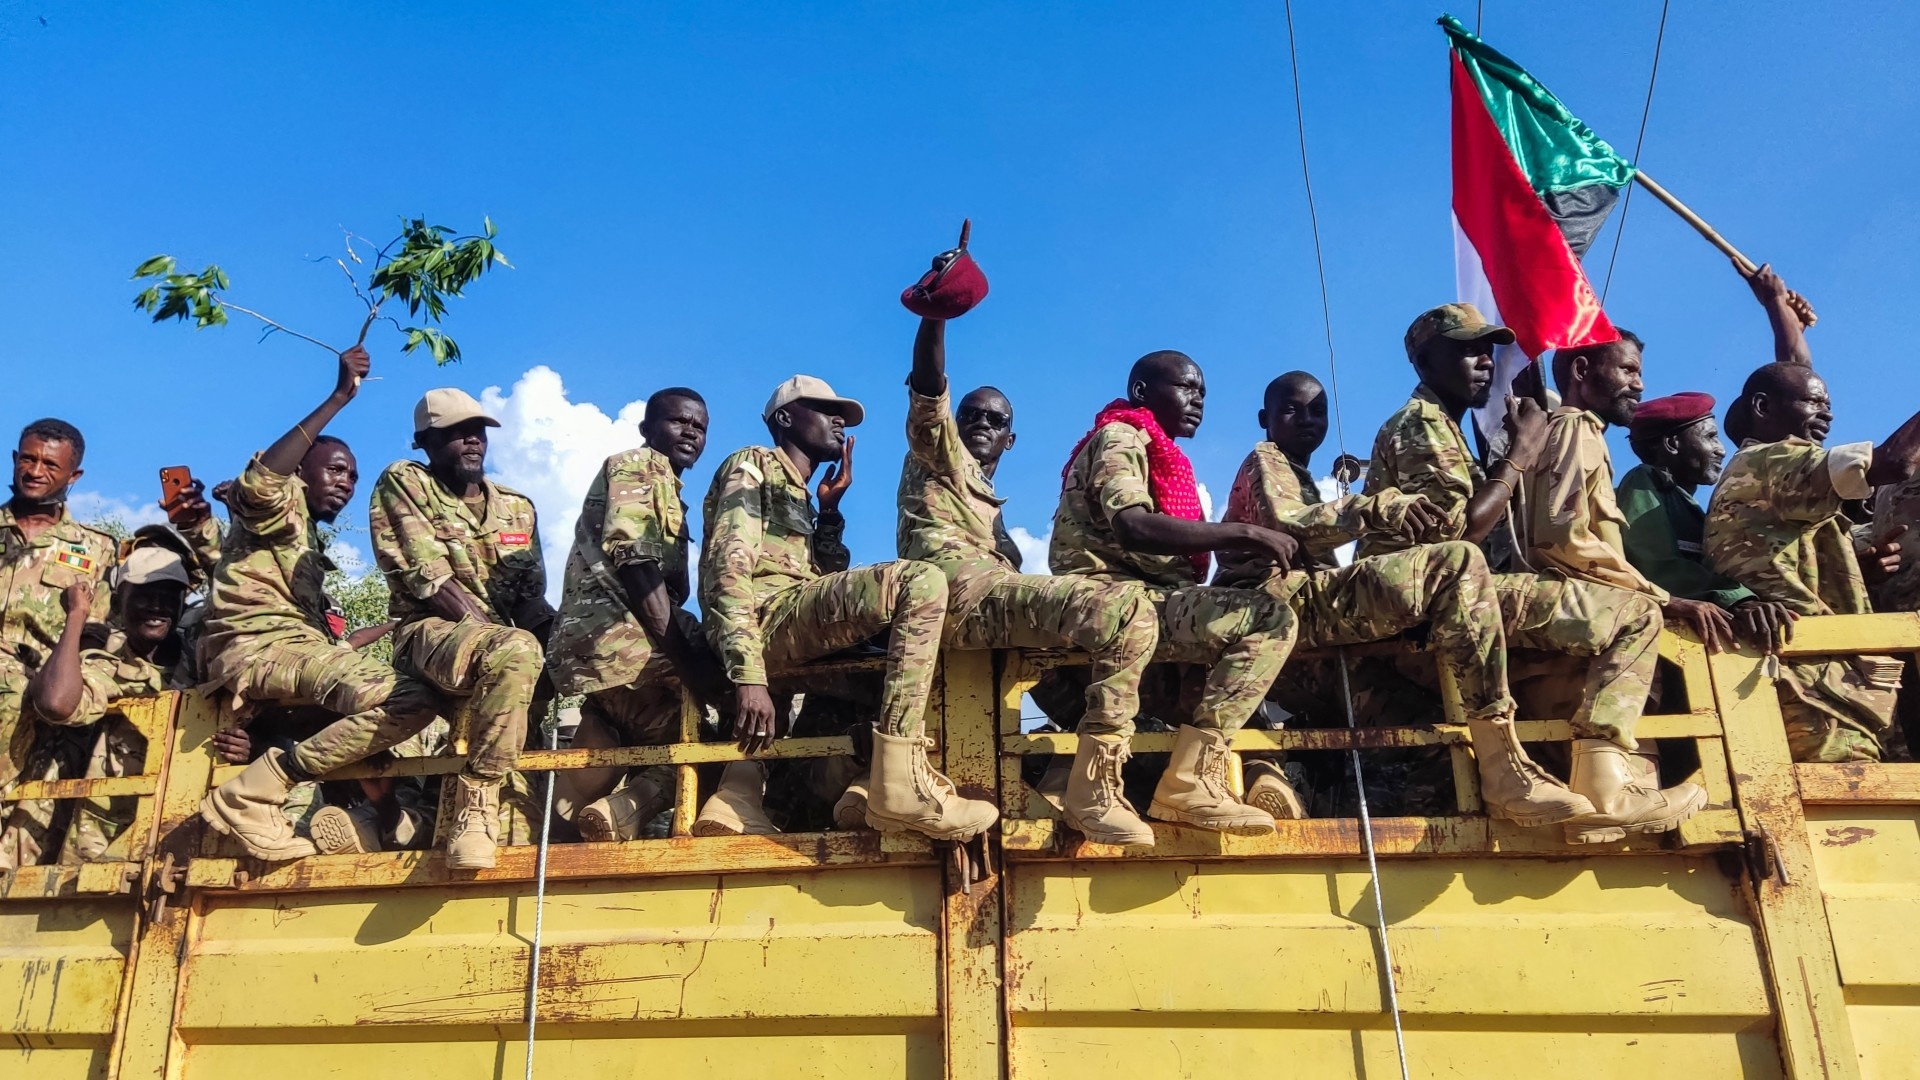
(1671, 413)
(952, 288)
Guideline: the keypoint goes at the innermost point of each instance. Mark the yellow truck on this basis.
(1772, 935)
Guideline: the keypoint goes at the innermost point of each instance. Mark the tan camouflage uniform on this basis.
(950, 517)
(1420, 450)
(110, 673)
(1241, 635)
(768, 604)
(1893, 506)
(1569, 521)
(1775, 525)
(33, 575)
(424, 537)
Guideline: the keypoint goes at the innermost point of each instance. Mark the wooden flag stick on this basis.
(1800, 305)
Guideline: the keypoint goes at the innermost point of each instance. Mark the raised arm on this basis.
(1898, 455)
(283, 457)
(1789, 338)
(1526, 428)
(929, 375)
(56, 689)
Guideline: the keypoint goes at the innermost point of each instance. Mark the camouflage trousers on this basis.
(1241, 636)
(832, 612)
(378, 706)
(1619, 630)
(646, 713)
(1838, 709)
(39, 749)
(119, 749)
(489, 670)
(1114, 622)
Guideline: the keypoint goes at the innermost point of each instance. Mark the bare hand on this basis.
(1424, 521)
(1710, 622)
(754, 724)
(1282, 548)
(837, 479)
(1526, 425)
(1529, 384)
(221, 490)
(77, 598)
(1764, 624)
(233, 746)
(1348, 469)
(354, 365)
(1883, 560)
(1769, 289)
(188, 508)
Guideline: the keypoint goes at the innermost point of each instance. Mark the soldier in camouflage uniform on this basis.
(1129, 514)
(269, 642)
(462, 559)
(44, 553)
(622, 637)
(768, 603)
(1445, 585)
(1421, 450)
(950, 517)
(1775, 524)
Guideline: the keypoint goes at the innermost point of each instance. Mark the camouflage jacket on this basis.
(1108, 475)
(1272, 492)
(762, 536)
(113, 671)
(425, 536)
(1893, 506)
(1567, 517)
(1420, 450)
(33, 574)
(949, 514)
(632, 514)
(270, 581)
(1774, 524)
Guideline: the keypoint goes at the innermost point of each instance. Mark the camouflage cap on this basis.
(1461, 322)
(152, 565)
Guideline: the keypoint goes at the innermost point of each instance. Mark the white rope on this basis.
(540, 903)
(1346, 691)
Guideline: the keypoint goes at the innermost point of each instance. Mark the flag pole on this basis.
(1800, 305)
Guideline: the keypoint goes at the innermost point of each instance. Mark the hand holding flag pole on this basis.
(1747, 266)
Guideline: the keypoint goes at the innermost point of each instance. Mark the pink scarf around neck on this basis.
(1169, 473)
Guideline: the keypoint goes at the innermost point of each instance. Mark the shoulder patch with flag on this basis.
(76, 558)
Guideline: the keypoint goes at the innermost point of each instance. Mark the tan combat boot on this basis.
(850, 811)
(621, 815)
(908, 794)
(476, 824)
(1095, 802)
(247, 808)
(1193, 790)
(1267, 788)
(337, 831)
(736, 809)
(1511, 785)
(1624, 801)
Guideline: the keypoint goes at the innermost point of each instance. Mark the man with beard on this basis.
(623, 637)
(44, 554)
(462, 558)
(1130, 513)
(1421, 451)
(1776, 525)
(768, 604)
(269, 640)
(950, 517)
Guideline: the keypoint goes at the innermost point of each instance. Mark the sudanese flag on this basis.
(1531, 187)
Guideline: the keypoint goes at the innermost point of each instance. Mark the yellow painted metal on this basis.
(855, 954)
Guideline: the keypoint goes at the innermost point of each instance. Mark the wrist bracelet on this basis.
(1503, 483)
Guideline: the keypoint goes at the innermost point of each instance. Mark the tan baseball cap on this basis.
(808, 388)
(446, 407)
(1461, 322)
(152, 565)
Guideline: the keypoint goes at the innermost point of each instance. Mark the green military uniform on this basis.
(1446, 585)
(1242, 636)
(1420, 450)
(950, 517)
(769, 603)
(424, 536)
(1775, 525)
(267, 641)
(1664, 533)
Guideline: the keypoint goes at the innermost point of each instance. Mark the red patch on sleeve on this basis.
(515, 540)
(336, 624)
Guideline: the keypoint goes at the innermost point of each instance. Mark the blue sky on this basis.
(724, 195)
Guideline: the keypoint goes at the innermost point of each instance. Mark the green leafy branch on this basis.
(422, 268)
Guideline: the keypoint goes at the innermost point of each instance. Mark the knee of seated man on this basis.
(509, 649)
(922, 584)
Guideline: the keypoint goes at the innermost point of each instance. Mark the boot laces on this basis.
(1213, 770)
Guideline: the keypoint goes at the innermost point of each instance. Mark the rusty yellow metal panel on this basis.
(789, 974)
(61, 966)
(1868, 859)
(1593, 967)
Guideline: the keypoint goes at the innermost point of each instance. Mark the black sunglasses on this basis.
(993, 419)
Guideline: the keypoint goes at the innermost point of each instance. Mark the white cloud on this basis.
(1329, 491)
(89, 506)
(548, 448)
(1033, 549)
(1206, 502)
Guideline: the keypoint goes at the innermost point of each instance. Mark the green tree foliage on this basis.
(420, 269)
